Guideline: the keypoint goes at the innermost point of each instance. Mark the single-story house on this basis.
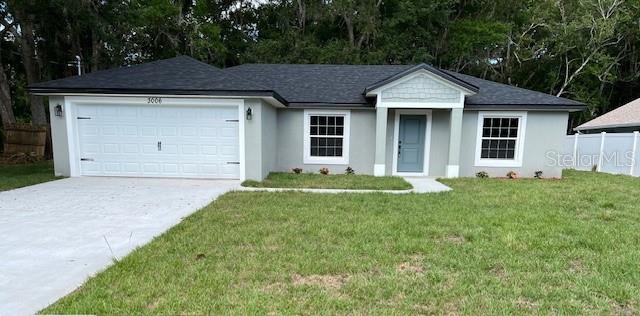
(625, 119)
(183, 118)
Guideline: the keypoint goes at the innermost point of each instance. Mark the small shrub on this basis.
(594, 168)
(537, 174)
(324, 171)
(349, 170)
(482, 175)
(512, 175)
(297, 170)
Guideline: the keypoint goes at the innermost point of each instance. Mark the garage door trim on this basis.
(71, 121)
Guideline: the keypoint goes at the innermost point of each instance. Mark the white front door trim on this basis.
(427, 141)
(71, 103)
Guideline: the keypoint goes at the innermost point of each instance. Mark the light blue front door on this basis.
(411, 143)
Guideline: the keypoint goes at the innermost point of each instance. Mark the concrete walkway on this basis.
(420, 185)
(54, 235)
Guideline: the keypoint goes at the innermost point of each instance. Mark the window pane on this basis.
(326, 125)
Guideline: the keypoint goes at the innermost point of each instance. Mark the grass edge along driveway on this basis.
(490, 246)
(337, 181)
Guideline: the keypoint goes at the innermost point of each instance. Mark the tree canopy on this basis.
(586, 50)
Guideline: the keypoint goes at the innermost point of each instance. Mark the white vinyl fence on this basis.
(605, 152)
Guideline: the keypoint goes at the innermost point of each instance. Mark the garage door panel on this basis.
(197, 142)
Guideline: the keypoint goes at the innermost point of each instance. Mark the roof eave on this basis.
(230, 93)
(551, 107)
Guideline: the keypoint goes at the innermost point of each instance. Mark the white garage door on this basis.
(159, 141)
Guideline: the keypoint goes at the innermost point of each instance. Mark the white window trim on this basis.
(308, 159)
(427, 142)
(519, 150)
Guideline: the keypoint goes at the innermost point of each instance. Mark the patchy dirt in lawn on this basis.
(526, 303)
(330, 282)
(499, 272)
(414, 265)
(626, 309)
(274, 287)
(577, 266)
(454, 239)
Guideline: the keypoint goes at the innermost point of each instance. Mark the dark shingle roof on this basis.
(495, 94)
(345, 84)
(179, 75)
(336, 84)
(291, 84)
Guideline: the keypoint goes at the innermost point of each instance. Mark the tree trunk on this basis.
(31, 65)
(6, 108)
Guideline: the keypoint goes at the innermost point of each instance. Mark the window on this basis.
(326, 137)
(500, 136)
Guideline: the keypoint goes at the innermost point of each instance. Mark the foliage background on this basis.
(581, 49)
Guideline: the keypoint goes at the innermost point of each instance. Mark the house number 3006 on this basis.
(154, 100)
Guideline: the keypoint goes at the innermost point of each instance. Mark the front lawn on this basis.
(490, 246)
(335, 181)
(22, 175)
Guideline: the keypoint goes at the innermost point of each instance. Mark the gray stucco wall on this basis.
(59, 139)
(290, 135)
(269, 139)
(260, 141)
(253, 140)
(439, 152)
(544, 132)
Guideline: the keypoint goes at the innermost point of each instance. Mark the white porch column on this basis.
(379, 166)
(455, 140)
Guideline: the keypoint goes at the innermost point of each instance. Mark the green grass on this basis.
(490, 246)
(319, 181)
(17, 176)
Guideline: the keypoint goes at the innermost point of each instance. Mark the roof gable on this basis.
(424, 68)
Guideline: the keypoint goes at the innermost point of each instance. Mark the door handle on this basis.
(399, 147)
(159, 146)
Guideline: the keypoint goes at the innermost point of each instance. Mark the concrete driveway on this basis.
(54, 235)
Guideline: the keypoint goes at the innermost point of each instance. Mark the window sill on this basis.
(498, 163)
(325, 161)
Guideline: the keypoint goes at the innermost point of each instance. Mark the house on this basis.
(183, 118)
(625, 119)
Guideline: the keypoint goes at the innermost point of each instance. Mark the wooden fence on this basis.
(25, 139)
